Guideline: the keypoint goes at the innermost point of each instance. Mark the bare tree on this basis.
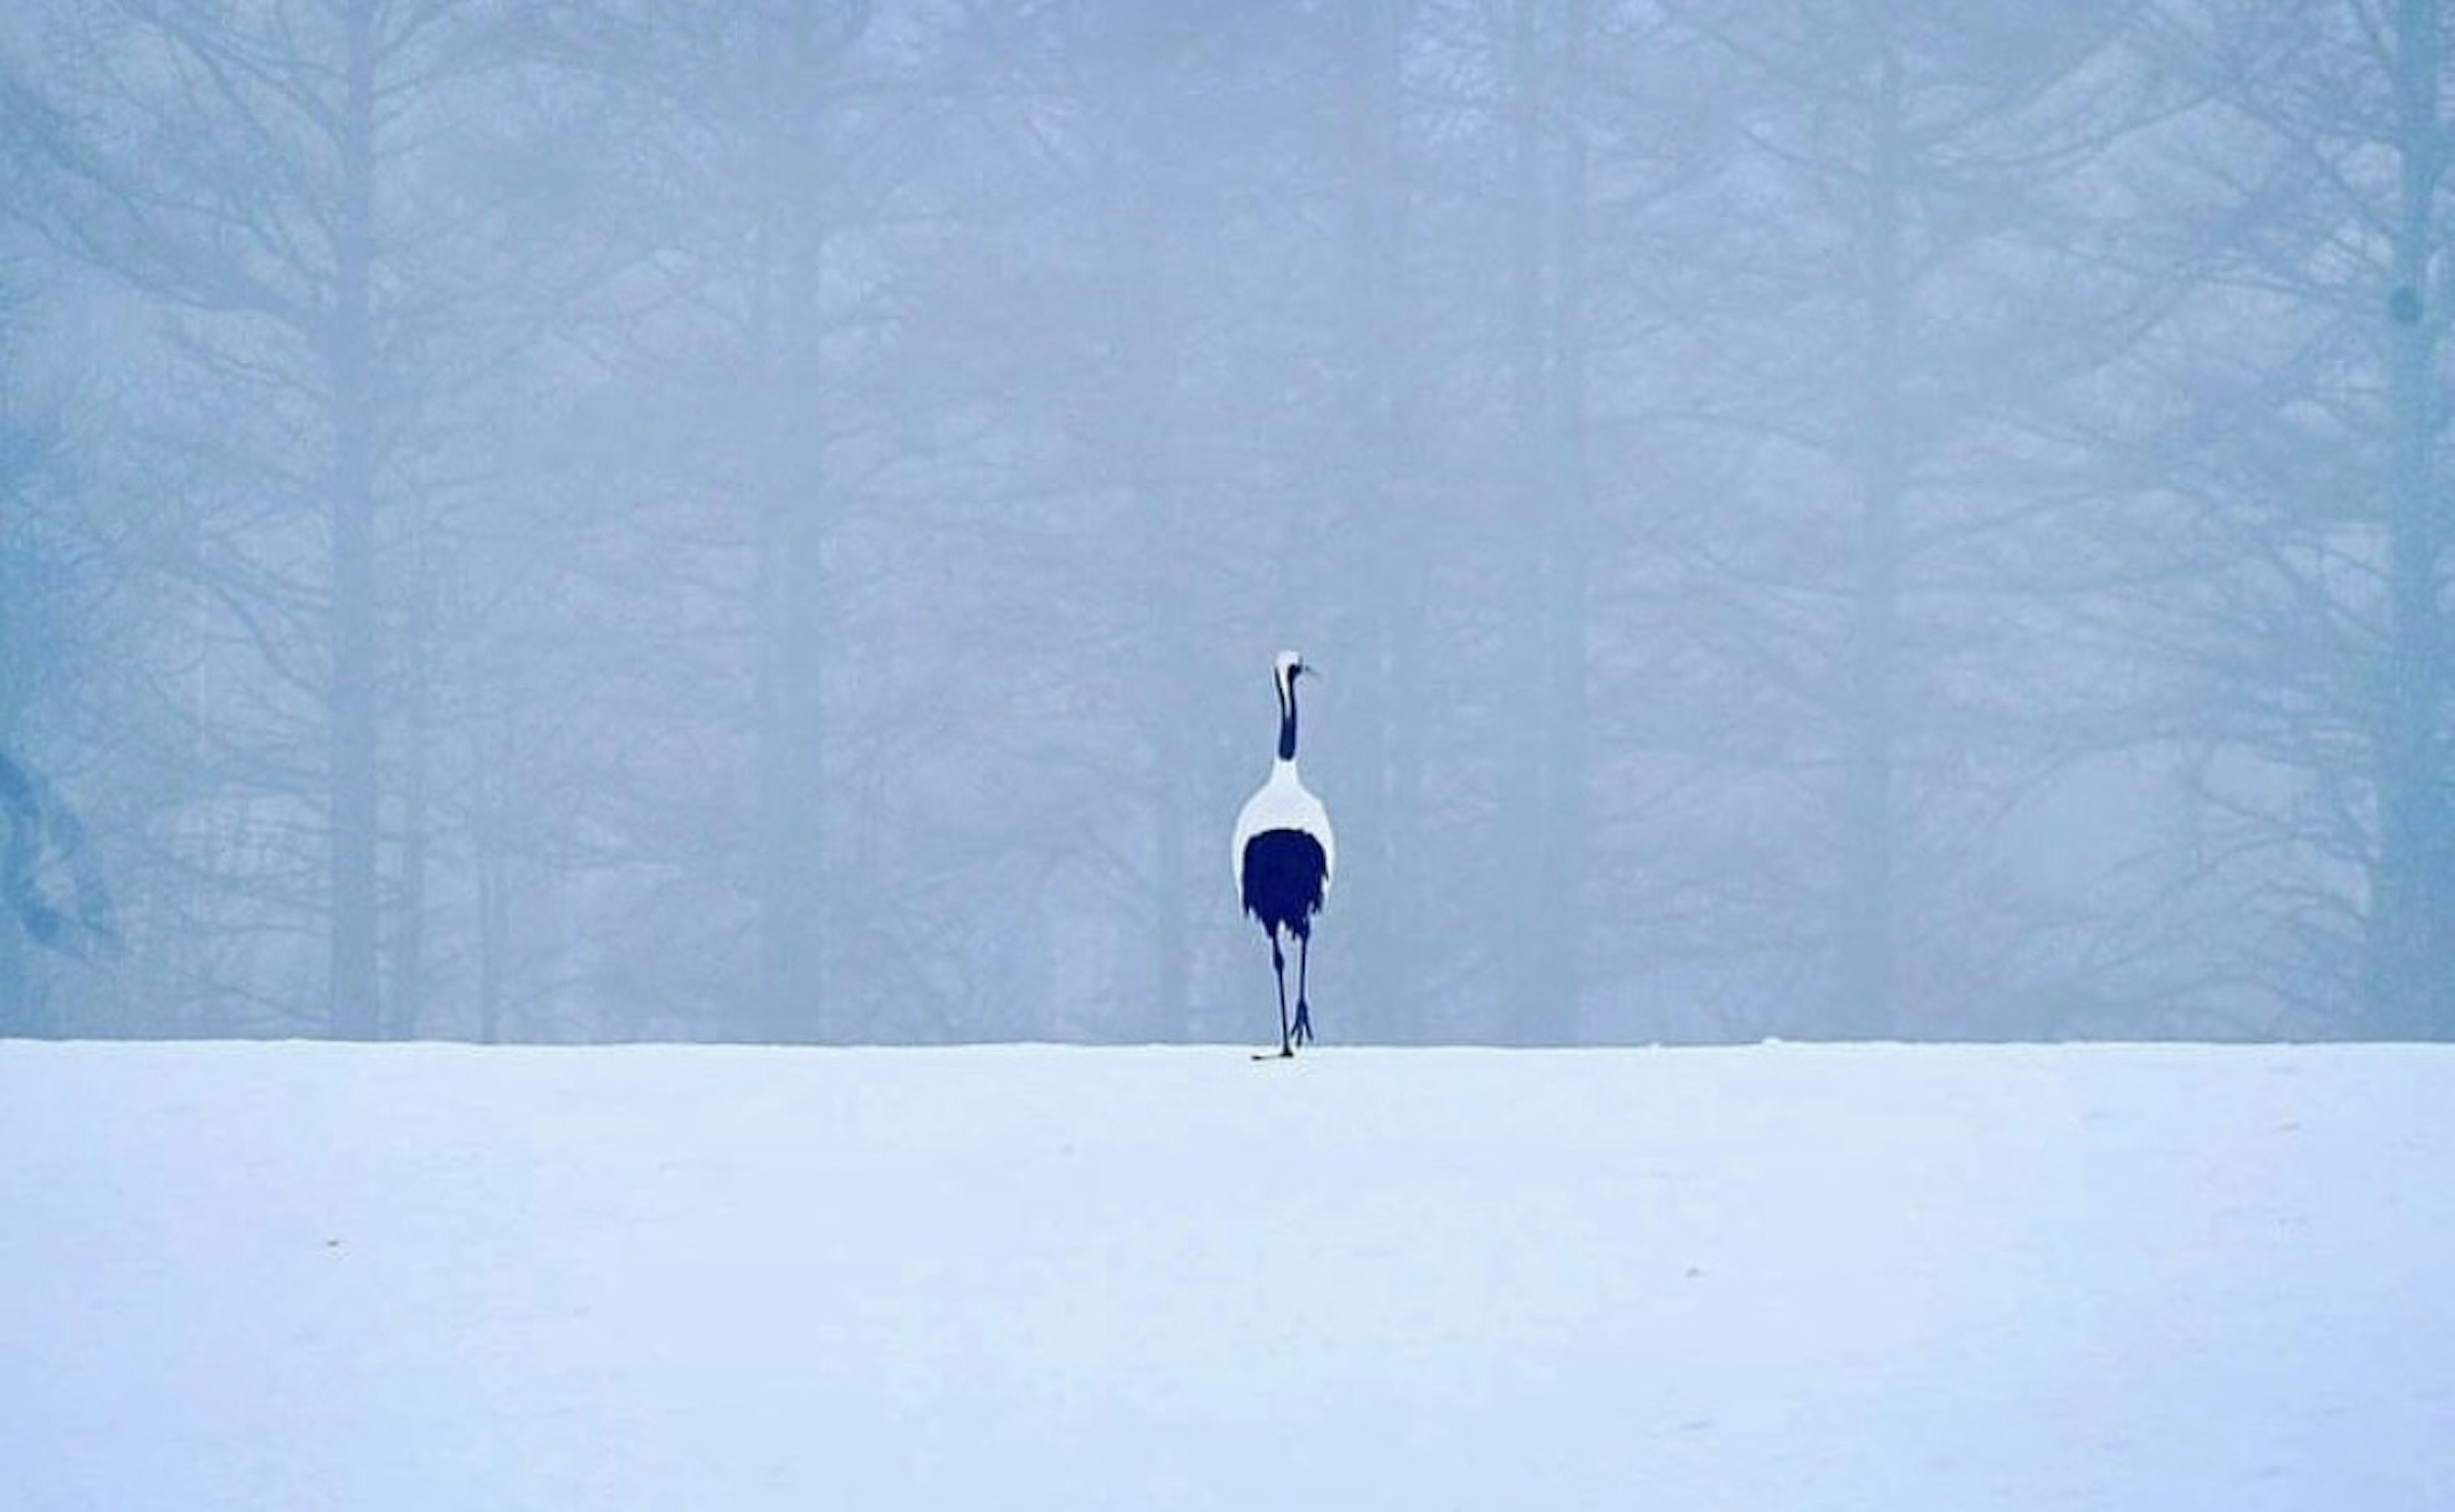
(1904, 163)
(263, 171)
(2317, 454)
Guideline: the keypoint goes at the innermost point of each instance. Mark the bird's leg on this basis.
(1279, 967)
(1304, 1009)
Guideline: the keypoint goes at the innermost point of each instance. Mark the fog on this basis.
(608, 519)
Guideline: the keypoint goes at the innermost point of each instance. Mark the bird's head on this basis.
(1290, 667)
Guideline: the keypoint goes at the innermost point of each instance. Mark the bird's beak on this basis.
(1306, 669)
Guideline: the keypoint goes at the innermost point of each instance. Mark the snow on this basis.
(1778, 1277)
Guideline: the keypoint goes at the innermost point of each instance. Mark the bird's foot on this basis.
(1303, 1031)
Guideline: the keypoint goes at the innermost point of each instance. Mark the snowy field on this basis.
(1789, 1277)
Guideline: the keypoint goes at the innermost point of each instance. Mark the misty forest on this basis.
(615, 519)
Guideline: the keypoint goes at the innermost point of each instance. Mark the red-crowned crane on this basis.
(1284, 853)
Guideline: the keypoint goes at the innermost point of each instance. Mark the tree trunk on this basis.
(795, 883)
(407, 1011)
(1866, 915)
(493, 910)
(1167, 660)
(2411, 926)
(1383, 698)
(1154, 361)
(1528, 1013)
(352, 706)
(1567, 543)
(1544, 803)
(19, 1013)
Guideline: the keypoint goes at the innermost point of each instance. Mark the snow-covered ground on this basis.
(1787, 1276)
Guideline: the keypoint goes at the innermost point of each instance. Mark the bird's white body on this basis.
(1284, 803)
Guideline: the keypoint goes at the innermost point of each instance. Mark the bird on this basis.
(1283, 853)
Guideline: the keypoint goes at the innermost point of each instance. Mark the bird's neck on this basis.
(1286, 721)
